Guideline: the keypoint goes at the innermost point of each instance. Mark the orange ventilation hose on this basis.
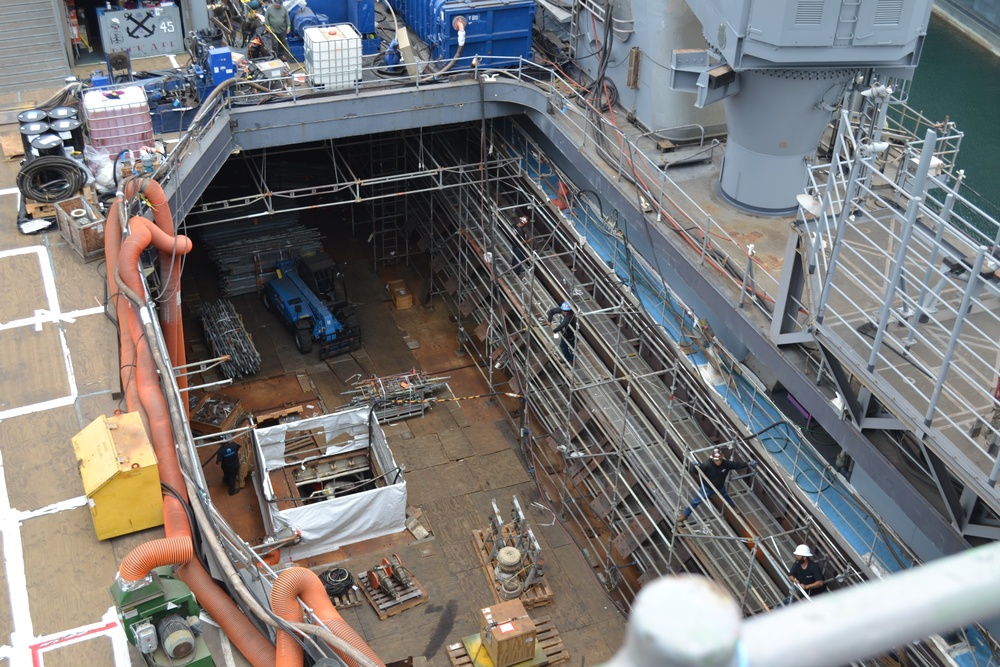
(166, 551)
(125, 261)
(126, 370)
(172, 250)
(298, 582)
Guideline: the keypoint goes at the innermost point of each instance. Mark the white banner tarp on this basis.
(329, 524)
(335, 522)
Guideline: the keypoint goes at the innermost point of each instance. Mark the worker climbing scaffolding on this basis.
(565, 330)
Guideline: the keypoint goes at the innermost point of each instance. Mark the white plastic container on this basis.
(118, 119)
(333, 56)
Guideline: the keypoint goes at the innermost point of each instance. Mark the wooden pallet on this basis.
(37, 210)
(539, 595)
(386, 605)
(352, 598)
(550, 649)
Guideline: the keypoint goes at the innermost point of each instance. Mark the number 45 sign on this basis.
(142, 32)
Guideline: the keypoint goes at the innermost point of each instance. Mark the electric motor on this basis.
(399, 571)
(176, 637)
(508, 563)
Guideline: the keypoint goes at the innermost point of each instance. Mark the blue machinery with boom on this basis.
(308, 309)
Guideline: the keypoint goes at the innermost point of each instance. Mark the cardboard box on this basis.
(401, 297)
(508, 633)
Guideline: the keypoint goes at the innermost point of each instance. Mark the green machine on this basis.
(160, 617)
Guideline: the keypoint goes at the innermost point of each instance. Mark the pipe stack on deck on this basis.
(246, 254)
(227, 336)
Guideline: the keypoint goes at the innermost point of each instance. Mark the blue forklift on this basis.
(309, 296)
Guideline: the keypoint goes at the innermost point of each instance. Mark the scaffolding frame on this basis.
(633, 405)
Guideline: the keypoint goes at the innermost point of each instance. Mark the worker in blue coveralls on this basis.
(229, 458)
(565, 331)
(714, 473)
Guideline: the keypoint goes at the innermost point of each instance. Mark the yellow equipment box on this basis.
(120, 475)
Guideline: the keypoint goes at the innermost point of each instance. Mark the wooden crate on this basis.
(82, 226)
(508, 633)
(214, 413)
(401, 297)
(549, 648)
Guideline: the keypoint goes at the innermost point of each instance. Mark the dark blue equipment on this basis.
(308, 309)
(498, 32)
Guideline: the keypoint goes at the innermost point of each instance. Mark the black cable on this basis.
(51, 178)
(337, 581)
(192, 523)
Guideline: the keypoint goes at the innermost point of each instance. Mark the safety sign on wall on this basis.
(142, 32)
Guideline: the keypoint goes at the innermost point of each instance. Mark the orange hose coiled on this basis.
(298, 582)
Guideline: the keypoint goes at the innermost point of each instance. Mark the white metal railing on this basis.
(906, 289)
(686, 621)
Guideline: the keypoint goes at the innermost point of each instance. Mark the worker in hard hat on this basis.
(228, 456)
(565, 329)
(806, 572)
(713, 473)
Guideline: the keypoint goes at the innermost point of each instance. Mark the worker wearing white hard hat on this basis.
(806, 572)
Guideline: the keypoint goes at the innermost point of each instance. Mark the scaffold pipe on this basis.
(688, 620)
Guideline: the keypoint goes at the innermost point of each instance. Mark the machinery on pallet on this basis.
(513, 559)
(311, 315)
(395, 397)
(161, 619)
(391, 588)
(391, 577)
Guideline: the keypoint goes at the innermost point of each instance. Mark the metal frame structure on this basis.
(634, 406)
(893, 282)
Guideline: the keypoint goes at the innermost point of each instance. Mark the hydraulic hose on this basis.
(298, 582)
(172, 250)
(51, 178)
(250, 642)
(458, 23)
(165, 420)
(112, 249)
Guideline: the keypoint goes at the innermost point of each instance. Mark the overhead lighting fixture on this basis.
(810, 204)
(878, 91)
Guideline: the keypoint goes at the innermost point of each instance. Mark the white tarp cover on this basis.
(332, 523)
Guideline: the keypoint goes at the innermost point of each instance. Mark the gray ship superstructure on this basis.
(797, 280)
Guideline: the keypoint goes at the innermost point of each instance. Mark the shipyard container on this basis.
(118, 119)
(333, 56)
(499, 32)
(120, 475)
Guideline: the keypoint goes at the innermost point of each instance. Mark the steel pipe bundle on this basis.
(228, 337)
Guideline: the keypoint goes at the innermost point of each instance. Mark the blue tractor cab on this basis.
(310, 313)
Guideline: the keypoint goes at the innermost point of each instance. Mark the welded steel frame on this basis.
(896, 273)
